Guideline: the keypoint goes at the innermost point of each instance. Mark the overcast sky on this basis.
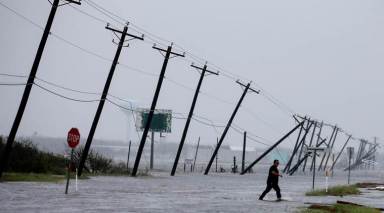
(319, 58)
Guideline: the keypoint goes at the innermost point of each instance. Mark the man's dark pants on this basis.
(271, 185)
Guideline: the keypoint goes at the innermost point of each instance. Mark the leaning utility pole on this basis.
(87, 146)
(244, 148)
(152, 149)
(296, 147)
(217, 156)
(247, 87)
(272, 147)
(28, 87)
(197, 149)
(317, 144)
(331, 148)
(303, 140)
(328, 145)
(190, 114)
(148, 122)
(341, 151)
(310, 142)
(129, 153)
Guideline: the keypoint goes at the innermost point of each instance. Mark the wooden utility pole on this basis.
(152, 149)
(247, 87)
(341, 151)
(87, 146)
(197, 149)
(317, 144)
(328, 145)
(28, 87)
(272, 147)
(190, 114)
(168, 53)
(296, 147)
(244, 148)
(331, 148)
(217, 155)
(129, 152)
(310, 143)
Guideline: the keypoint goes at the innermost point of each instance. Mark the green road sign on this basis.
(161, 121)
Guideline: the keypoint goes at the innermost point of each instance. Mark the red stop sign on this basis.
(73, 138)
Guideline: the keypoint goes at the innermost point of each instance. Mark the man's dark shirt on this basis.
(271, 177)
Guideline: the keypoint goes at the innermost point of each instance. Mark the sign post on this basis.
(313, 151)
(73, 140)
(327, 172)
(161, 122)
(350, 151)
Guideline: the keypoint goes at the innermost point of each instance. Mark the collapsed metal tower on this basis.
(310, 135)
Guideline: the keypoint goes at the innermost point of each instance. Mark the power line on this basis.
(284, 108)
(123, 65)
(253, 139)
(21, 16)
(66, 97)
(12, 84)
(224, 72)
(195, 117)
(243, 130)
(89, 15)
(101, 10)
(12, 75)
(114, 17)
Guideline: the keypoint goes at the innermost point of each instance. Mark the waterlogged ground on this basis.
(182, 193)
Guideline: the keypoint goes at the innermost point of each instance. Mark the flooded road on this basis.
(182, 193)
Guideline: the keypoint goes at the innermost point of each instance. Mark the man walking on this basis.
(273, 181)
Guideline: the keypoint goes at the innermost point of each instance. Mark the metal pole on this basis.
(101, 102)
(152, 149)
(244, 148)
(69, 172)
(76, 180)
(190, 114)
(272, 147)
(349, 167)
(129, 152)
(153, 106)
(314, 170)
(197, 149)
(226, 129)
(27, 90)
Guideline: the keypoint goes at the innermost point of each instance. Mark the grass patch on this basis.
(37, 177)
(339, 208)
(32, 177)
(336, 191)
(368, 185)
